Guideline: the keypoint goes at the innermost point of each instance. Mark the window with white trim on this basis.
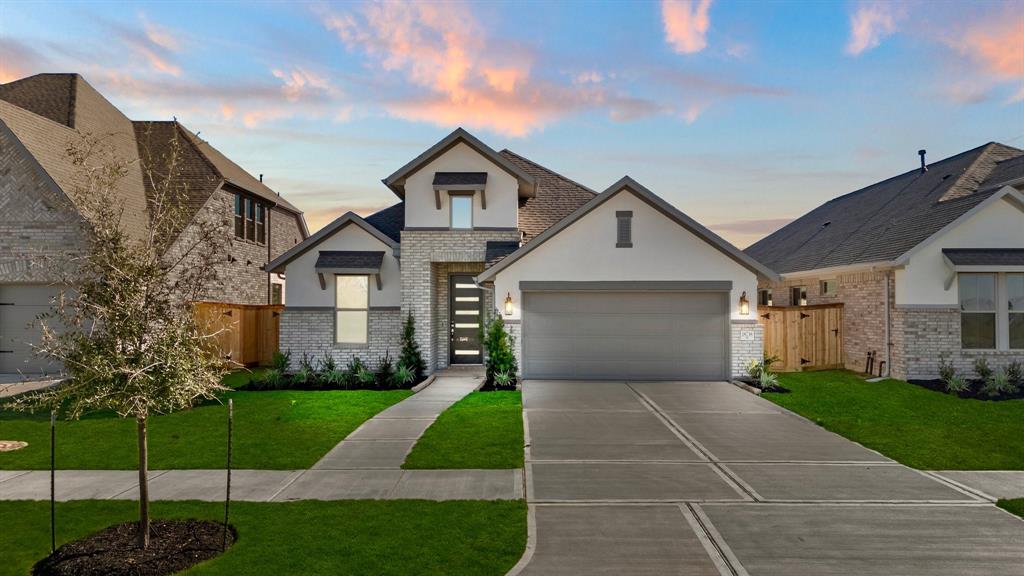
(829, 287)
(798, 295)
(1015, 310)
(764, 297)
(978, 311)
(462, 212)
(250, 219)
(352, 309)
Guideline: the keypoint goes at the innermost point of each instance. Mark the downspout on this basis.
(888, 335)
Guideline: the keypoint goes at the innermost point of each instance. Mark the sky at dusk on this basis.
(742, 114)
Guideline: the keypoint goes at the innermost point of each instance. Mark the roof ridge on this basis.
(187, 135)
(956, 190)
(546, 169)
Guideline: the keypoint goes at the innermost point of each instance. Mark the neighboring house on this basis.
(40, 116)
(613, 285)
(928, 264)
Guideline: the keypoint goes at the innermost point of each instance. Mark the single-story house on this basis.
(929, 264)
(614, 285)
(40, 116)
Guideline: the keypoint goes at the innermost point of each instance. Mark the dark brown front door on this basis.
(465, 309)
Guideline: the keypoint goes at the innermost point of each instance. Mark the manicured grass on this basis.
(483, 430)
(273, 430)
(241, 377)
(400, 537)
(918, 427)
(1015, 506)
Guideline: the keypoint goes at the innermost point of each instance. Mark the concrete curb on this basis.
(752, 389)
(430, 380)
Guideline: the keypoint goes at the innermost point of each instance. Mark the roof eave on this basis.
(278, 264)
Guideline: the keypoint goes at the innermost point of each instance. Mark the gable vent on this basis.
(624, 235)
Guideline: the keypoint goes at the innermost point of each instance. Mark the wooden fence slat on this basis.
(245, 334)
(803, 337)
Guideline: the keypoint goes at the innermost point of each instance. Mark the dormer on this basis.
(460, 183)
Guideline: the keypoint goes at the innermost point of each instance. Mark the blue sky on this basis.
(742, 114)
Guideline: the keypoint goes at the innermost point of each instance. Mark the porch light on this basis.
(744, 304)
(508, 304)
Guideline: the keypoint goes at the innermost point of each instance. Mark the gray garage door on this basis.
(19, 306)
(626, 335)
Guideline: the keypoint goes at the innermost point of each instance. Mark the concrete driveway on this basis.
(704, 478)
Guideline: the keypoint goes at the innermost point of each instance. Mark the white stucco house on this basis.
(929, 264)
(614, 285)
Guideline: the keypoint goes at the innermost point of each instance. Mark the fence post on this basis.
(227, 499)
(53, 481)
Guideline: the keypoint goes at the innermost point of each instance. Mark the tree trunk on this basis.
(143, 486)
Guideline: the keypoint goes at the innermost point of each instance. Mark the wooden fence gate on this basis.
(246, 334)
(803, 337)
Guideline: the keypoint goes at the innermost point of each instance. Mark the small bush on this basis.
(1015, 373)
(982, 369)
(272, 379)
(385, 371)
(754, 370)
(281, 360)
(769, 381)
(946, 369)
(328, 364)
(956, 385)
(504, 381)
(997, 385)
(500, 356)
(403, 377)
(335, 378)
(410, 356)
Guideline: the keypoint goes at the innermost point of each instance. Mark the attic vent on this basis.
(624, 236)
(826, 224)
(946, 177)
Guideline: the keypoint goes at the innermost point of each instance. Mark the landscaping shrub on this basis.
(759, 373)
(997, 385)
(281, 361)
(306, 374)
(272, 379)
(946, 369)
(385, 372)
(1015, 373)
(956, 385)
(982, 369)
(403, 377)
(501, 359)
(410, 356)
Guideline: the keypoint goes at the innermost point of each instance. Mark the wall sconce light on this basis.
(744, 304)
(508, 304)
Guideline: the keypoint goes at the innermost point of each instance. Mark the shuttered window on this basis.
(624, 230)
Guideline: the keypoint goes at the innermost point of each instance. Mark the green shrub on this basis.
(1015, 373)
(335, 378)
(410, 356)
(956, 385)
(982, 369)
(997, 385)
(272, 379)
(403, 376)
(769, 381)
(504, 380)
(385, 371)
(281, 360)
(500, 356)
(327, 364)
(946, 369)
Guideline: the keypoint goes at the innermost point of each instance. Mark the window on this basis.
(828, 287)
(352, 303)
(462, 212)
(764, 298)
(978, 311)
(1015, 298)
(624, 229)
(277, 293)
(250, 219)
(799, 295)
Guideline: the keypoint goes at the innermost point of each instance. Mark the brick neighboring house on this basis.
(613, 285)
(928, 264)
(40, 116)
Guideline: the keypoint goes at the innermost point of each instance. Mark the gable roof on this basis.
(278, 264)
(396, 182)
(1006, 173)
(390, 221)
(627, 184)
(883, 221)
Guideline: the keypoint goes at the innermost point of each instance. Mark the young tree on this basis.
(124, 328)
(410, 356)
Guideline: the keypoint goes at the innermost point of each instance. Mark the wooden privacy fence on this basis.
(803, 337)
(246, 334)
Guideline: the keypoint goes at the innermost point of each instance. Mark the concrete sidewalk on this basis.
(14, 384)
(989, 484)
(383, 442)
(267, 485)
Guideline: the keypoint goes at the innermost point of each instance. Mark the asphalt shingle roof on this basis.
(459, 178)
(1006, 171)
(389, 221)
(497, 250)
(360, 259)
(985, 256)
(883, 221)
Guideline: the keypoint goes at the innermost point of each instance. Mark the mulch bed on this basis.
(174, 545)
(755, 384)
(973, 391)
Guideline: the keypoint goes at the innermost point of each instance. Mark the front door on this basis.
(465, 308)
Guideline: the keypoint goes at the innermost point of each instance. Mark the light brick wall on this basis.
(427, 258)
(311, 331)
(747, 344)
(863, 298)
(515, 330)
(925, 335)
(39, 228)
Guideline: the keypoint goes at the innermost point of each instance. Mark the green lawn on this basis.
(400, 537)
(1014, 506)
(483, 430)
(918, 427)
(273, 430)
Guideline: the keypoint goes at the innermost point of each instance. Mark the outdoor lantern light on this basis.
(508, 304)
(744, 304)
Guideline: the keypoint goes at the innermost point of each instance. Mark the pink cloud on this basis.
(686, 24)
(300, 82)
(870, 22)
(996, 43)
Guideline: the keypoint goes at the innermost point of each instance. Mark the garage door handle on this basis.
(6, 303)
(6, 351)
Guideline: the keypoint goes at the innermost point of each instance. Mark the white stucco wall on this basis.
(304, 285)
(502, 192)
(923, 280)
(662, 250)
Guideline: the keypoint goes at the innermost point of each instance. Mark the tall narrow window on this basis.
(261, 224)
(624, 229)
(764, 297)
(1015, 297)
(799, 295)
(352, 303)
(978, 311)
(239, 216)
(828, 287)
(277, 293)
(462, 212)
(250, 219)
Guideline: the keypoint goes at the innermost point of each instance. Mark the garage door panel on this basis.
(19, 327)
(625, 335)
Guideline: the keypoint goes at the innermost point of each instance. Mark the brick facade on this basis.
(746, 345)
(311, 331)
(428, 257)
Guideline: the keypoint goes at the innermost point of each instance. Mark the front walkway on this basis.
(13, 384)
(707, 479)
(365, 465)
